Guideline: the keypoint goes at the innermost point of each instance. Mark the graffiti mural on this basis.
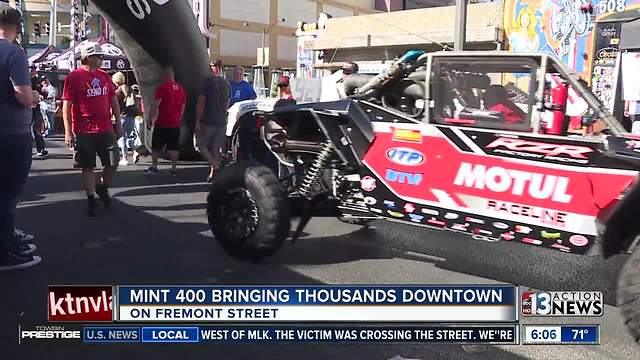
(559, 27)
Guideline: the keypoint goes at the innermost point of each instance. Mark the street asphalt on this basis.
(157, 233)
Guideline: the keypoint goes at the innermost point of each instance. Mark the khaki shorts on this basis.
(212, 138)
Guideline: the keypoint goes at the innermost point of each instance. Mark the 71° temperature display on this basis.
(561, 334)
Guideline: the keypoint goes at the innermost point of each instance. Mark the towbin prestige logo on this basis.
(405, 156)
(80, 303)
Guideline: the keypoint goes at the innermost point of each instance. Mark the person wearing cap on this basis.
(285, 97)
(89, 101)
(16, 101)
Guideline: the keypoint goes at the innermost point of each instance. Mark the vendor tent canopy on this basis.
(48, 53)
(114, 58)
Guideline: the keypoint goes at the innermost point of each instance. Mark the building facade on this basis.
(38, 12)
(241, 26)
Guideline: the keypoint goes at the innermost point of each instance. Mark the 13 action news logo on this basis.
(564, 303)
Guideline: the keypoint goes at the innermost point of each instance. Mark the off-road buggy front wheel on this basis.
(248, 211)
(629, 294)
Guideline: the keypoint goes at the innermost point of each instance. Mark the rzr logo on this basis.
(500, 180)
(405, 156)
(549, 150)
(140, 8)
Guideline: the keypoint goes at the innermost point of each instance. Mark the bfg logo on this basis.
(565, 303)
(405, 156)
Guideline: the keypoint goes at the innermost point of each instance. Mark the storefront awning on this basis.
(630, 35)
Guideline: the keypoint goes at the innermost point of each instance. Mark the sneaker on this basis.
(12, 261)
(26, 249)
(40, 156)
(22, 237)
(91, 206)
(136, 157)
(151, 170)
(124, 162)
(173, 172)
(103, 193)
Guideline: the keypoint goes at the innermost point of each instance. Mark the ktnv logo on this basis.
(403, 177)
(405, 156)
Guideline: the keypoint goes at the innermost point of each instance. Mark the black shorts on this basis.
(89, 145)
(166, 136)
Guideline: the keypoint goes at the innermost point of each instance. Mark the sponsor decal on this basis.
(485, 238)
(395, 214)
(403, 177)
(416, 218)
(561, 247)
(546, 216)
(451, 216)
(508, 236)
(407, 135)
(409, 208)
(500, 225)
(523, 229)
(460, 227)
(370, 201)
(516, 182)
(482, 232)
(368, 184)
(474, 220)
(434, 221)
(377, 211)
(390, 204)
(579, 240)
(532, 241)
(405, 156)
(550, 235)
(431, 212)
(533, 149)
(140, 8)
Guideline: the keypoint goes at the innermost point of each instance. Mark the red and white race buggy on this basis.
(499, 146)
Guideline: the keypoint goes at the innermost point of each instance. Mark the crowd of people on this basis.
(102, 118)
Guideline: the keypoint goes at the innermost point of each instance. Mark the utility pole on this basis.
(461, 25)
(53, 23)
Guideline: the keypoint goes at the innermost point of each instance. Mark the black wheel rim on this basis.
(238, 214)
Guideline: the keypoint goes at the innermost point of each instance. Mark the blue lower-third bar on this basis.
(170, 334)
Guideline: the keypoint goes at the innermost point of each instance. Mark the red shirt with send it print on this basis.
(90, 95)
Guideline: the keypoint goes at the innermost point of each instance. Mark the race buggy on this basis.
(499, 146)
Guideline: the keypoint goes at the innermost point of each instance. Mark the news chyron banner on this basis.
(279, 314)
(317, 304)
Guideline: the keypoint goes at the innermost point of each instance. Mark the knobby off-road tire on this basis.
(629, 294)
(248, 211)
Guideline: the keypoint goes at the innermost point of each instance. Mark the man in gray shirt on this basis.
(15, 141)
(211, 120)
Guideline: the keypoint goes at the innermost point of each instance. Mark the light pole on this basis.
(53, 21)
(461, 25)
(265, 31)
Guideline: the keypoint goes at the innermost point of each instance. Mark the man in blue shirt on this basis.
(16, 101)
(240, 89)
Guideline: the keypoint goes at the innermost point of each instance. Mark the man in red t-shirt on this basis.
(89, 100)
(166, 116)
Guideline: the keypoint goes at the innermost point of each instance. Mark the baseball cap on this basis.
(89, 50)
(9, 15)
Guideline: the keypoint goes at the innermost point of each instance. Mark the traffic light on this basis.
(36, 29)
(47, 28)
